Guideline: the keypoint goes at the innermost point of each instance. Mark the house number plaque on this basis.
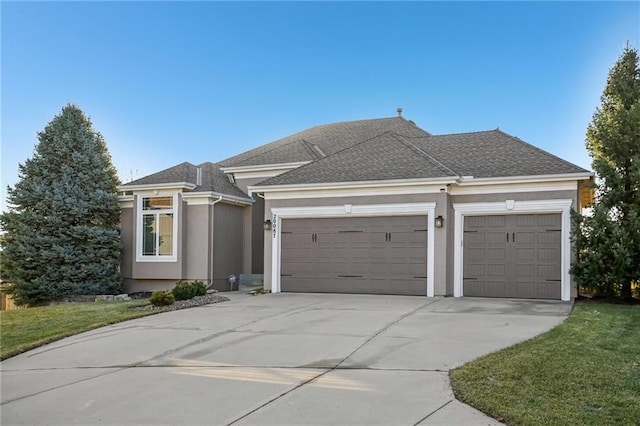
(274, 225)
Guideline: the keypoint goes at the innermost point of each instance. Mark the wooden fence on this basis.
(7, 303)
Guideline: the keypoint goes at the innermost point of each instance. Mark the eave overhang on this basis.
(159, 186)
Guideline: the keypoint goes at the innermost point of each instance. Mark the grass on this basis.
(25, 329)
(586, 371)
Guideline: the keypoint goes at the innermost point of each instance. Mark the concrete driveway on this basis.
(281, 359)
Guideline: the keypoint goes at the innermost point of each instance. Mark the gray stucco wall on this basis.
(210, 243)
(442, 246)
(228, 244)
(257, 236)
(127, 237)
(197, 247)
(517, 196)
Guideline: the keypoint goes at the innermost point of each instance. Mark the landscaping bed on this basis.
(585, 371)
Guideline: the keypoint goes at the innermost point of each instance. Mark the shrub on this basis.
(200, 288)
(185, 290)
(162, 298)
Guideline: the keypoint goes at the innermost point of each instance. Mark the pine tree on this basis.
(61, 232)
(608, 241)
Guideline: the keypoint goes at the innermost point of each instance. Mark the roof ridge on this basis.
(470, 133)
(429, 157)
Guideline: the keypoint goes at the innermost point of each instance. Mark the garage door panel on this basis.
(526, 271)
(495, 221)
(475, 222)
(494, 238)
(474, 239)
(526, 220)
(548, 271)
(552, 237)
(549, 220)
(496, 254)
(382, 257)
(497, 266)
(526, 254)
(537, 290)
(474, 254)
(495, 270)
(550, 254)
(524, 238)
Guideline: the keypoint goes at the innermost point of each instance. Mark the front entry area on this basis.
(516, 255)
(375, 255)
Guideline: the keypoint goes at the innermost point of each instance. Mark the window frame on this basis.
(140, 215)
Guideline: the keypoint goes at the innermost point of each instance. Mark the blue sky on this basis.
(200, 81)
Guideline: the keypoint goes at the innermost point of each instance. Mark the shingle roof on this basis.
(392, 156)
(493, 153)
(213, 179)
(319, 141)
(379, 149)
(384, 157)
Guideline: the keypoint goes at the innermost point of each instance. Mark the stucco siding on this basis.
(198, 232)
(441, 245)
(257, 236)
(517, 196)
(228, 239)
(127, 237)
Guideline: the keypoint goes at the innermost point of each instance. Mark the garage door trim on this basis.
(352, 210)
(513, 207)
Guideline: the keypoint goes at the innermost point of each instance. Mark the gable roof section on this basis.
(321, 141)
(488, 154)
(213, 179)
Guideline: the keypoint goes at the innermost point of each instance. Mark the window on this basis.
(157, 228)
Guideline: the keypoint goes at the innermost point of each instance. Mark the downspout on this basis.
(211, 245)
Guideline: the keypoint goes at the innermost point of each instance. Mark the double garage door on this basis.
(513, 256)
(504, 255)
(376, 255)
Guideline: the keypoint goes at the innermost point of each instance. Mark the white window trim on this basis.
(139, 215)
(352, 210)
(513, 207)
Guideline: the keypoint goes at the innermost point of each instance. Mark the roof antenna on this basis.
(399, 112)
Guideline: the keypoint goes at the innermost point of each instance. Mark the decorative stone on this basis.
(122, 297)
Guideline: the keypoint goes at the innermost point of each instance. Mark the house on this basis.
(372, 206)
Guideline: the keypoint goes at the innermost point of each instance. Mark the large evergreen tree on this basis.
(61, 232)
(608, 240)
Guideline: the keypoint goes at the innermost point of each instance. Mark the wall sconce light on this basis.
(266, 225)
(439, 222)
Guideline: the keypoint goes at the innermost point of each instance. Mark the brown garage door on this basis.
(512, 256)
(377, 255)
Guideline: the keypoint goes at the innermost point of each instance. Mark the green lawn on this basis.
(24, 329)
(586, 371)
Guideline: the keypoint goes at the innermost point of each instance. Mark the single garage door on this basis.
(377, 255)
(513, 256)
